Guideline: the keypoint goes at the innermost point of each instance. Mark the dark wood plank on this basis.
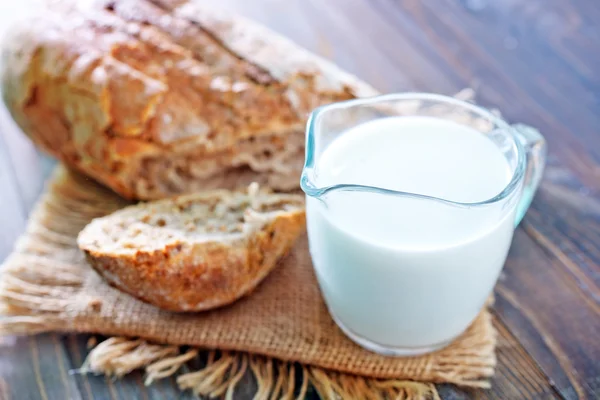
(35, 368)
(542, 304)
(565, 222)
(517, 375)
(520, 80)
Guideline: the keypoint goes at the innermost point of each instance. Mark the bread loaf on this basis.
(161, 97)
(194, 252)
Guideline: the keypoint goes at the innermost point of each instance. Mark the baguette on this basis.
(156, 98)
(194, 252)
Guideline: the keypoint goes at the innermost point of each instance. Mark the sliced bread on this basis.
(194, 252)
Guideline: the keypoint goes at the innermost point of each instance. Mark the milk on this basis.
(405, 274)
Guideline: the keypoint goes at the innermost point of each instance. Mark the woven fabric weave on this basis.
(46, 285)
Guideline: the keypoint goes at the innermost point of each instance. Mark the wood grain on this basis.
(536, 60)
(511, 66)
(517, 375)
(35, 368)
(556, 321)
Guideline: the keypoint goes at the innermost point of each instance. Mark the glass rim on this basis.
(312, 190)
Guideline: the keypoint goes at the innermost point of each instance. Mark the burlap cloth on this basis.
(283, 327)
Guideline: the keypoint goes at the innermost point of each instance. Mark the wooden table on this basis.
(536, 60)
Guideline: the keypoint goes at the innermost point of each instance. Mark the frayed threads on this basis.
(223, 371)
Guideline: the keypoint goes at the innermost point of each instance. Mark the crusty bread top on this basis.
(161, 97)
(129, 76)
(214, 216)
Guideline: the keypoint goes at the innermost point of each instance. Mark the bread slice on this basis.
(194, 252)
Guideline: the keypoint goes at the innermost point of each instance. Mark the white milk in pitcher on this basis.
(406, 272)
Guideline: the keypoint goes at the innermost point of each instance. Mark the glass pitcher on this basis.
(394, 276)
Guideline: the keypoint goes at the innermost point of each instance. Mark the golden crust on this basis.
(112, 88)
(187, 275)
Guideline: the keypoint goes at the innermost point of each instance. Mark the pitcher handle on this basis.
(535, 149)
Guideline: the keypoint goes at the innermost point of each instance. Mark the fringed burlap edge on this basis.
(224, 370)
(35, 297)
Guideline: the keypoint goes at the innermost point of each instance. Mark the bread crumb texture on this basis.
(194, 252)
